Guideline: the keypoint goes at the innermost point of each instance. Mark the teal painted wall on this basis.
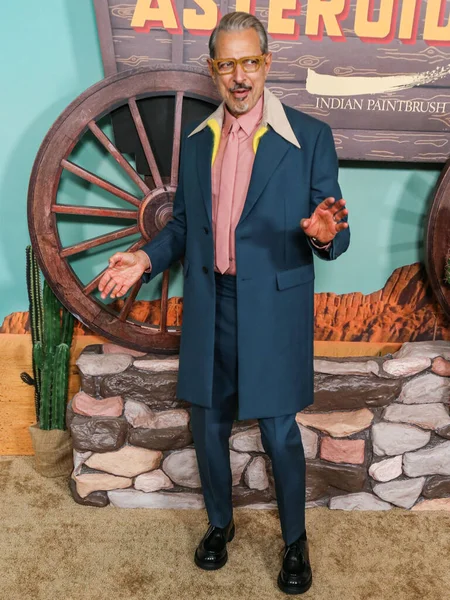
(55, 55)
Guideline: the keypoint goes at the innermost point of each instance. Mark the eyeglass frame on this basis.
(238, 61)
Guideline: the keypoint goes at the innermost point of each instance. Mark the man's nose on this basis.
(239, 74)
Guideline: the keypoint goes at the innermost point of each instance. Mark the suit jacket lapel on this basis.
(204, 148)
(271, 150)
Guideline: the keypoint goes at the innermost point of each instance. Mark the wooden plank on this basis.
(392, 146)
(131, 51)
(105, 37)
(17, 410)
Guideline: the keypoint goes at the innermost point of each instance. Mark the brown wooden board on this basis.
(372, 118)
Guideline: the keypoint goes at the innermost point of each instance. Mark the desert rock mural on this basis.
(404, 310)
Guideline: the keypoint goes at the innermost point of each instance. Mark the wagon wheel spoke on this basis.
(92, 285)
(164, 300)
(99, 240)
(145, 142)
(109, 146)
(94, 211)
(106, 185)
(176, 139)
(129, 301)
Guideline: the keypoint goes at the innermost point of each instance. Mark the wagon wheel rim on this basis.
(437, 240)
(150, 212)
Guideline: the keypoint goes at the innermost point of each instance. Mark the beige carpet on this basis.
(52, 548)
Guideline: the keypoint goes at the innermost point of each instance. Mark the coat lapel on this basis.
(271, 150)
(204, 150)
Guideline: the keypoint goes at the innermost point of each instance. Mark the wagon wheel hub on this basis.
(156, 211)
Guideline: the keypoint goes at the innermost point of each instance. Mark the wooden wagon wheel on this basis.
(437, 242)
(149, 209)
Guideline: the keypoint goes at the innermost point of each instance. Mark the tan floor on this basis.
(52, 548)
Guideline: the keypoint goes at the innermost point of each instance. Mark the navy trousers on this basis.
(211, 429)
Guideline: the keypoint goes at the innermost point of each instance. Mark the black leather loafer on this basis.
(211, 553)
(295, 576)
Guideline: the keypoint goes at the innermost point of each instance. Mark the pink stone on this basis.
(337, 423)
(436, 504)
(83, 404)
(115, 349)
(441, 367)
(342, 451)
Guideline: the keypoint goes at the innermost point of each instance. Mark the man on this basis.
(257, 196)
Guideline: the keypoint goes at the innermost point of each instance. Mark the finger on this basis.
(340, 214)
(104, 279)
(327, 203)
(341, 226)
(305, 223)
(109, 287)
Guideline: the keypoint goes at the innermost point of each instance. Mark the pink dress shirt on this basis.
(249, 123)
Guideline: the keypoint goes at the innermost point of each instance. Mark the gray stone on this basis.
(403, 493)
(182, 468)
(430, 461)
(255, 475)
(238, 462)
(103, 364)
(79, 458)
(444, 432)
(98, 434)
(352, 391)
(392, 438)
(345, 367)
(386, 470)
(360, 501)
(428, 416)
(137, 499)
(403, 367)
(310, 441)
(157, 366)
(425, 389)
(247, 441)
(153, 481)
(424, 349)
(437, 487)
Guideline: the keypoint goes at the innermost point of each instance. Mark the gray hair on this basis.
(239, 21)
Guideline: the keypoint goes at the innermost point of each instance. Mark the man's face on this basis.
(240, 90)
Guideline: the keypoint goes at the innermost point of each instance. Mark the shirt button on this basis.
(205, 269)
(206, 230)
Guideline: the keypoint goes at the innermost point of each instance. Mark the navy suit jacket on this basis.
(274, 264)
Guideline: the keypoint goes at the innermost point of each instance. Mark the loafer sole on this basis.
(293, 589)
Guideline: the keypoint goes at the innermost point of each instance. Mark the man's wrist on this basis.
(147, 260)
(318, 244)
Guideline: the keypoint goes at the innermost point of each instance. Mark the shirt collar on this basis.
(273, 115)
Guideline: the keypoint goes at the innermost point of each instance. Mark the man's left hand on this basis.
(326, 220)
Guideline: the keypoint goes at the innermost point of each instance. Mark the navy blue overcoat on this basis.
(274, 264)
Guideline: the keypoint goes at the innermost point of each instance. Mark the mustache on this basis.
(240, 87)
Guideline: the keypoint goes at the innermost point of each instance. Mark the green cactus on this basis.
(52, 332)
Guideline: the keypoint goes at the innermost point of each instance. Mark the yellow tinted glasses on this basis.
(227, 66)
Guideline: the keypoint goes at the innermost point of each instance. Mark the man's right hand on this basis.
(125, 269)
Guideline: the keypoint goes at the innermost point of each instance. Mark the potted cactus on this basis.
(51, 334)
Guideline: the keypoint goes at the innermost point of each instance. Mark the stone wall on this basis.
(376, 437)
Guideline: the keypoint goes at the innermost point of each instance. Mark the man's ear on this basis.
(211, 68)
(268, 62)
